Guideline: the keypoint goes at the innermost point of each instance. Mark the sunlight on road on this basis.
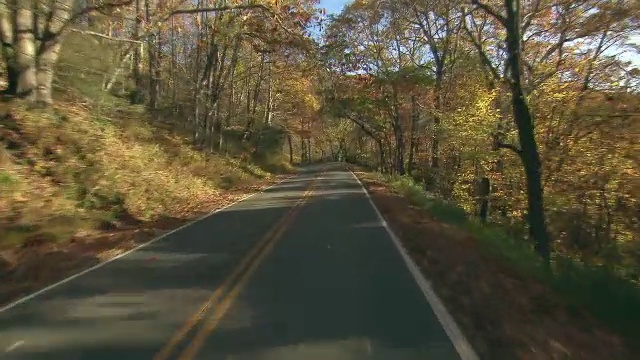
(340, 349)
(115, 319)
(281, 200)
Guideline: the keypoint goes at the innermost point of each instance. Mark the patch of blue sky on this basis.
(336, 6)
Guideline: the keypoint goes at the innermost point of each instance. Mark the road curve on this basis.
(304, 270)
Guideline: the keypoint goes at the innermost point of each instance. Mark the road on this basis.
(303, 270)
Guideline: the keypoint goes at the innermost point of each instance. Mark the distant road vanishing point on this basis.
(303, 270)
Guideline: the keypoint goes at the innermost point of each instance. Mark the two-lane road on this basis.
(304, 270)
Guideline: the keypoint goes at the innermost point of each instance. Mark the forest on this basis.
(523, 115)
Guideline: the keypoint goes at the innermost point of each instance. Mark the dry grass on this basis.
(80, 183)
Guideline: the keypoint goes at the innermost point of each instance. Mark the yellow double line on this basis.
(224, 296)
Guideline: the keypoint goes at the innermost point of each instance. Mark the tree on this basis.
(437, 26)
(518, 68)
(31, 34)
(551, 95)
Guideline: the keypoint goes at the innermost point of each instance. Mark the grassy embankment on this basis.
(504, 299)
(94, 175)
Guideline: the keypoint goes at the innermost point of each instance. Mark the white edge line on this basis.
(464, 348)
(14, 346)
(105, 262)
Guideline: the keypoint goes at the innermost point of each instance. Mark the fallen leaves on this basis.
(503, 314)
(27, 269)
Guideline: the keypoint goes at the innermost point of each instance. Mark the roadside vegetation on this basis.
(514, 123)
(595, 308)
(509, 129)
(143, 125)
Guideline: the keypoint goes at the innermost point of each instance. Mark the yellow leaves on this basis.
(470, 125)
(299, 92)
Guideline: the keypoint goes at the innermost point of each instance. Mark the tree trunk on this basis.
(249, 124)
(399, 136)
(31, 74)
(526, 134)
(485, 191)
(47, 58)
(196, 94)
(251, 118)
(435, 143)
(12, 77)
(381, 155)
(128, 55)
(172, 64)
(152, 61)
(533, 172)
(25, 52)
(8, 53)
(290, 149)
(415, 115)
(268, 113)
(137, 55)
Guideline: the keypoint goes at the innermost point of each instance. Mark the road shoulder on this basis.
(31, 269)
(503, 314)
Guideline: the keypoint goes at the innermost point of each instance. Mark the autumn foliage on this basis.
(525, 115)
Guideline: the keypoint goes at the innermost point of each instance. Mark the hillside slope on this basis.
(507, 305)
(78, 180)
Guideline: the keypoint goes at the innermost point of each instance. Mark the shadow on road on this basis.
(130, 307)
(334, 288)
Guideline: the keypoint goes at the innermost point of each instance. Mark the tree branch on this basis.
(93, 33)
(500, 145)
(490, 11)
(483, 56)
(219, 8)
(100, 7)
(229, 8)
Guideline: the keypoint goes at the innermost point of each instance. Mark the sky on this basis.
(333, 6)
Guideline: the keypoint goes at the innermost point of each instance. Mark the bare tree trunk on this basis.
(399, 135)
(47, 57)
(484, 192)
(290, 148)
(382, 157)
(128, 56)
(412, 137)
(303, 150)
(267, 112)
(8, 51)
(196, 93)
(249, 124)
(12, 76)
(526, 134)
(173, 60)
(25, 50)
(230, 105)
(256, 92)
(152, 61)
(137, 56)
(435, 142)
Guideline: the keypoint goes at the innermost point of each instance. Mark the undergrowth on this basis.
(605, 293)
(93, 161)
(72, 168)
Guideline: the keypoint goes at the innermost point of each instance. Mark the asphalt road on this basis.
(287, 274)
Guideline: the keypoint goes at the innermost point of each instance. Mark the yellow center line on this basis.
(256, 254)
(194, 319)
(221, 310)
